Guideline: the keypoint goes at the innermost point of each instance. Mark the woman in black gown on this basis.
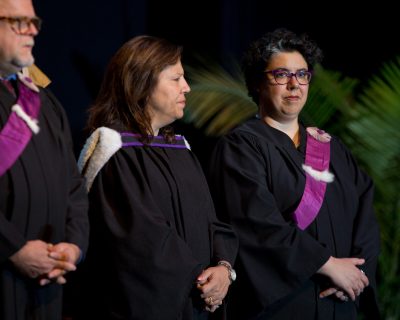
(156, 247)
(302, 208)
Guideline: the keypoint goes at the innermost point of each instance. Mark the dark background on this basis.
(79, 37)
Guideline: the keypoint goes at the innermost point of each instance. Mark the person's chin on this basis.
(179, 115)
(26, 61)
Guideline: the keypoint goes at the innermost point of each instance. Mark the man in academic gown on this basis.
(43, 206)
(258, 181)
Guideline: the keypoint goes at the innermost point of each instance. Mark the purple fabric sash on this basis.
(132, 140)
(317, 157)
(16, 134)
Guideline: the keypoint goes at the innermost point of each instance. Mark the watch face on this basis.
(233, 275)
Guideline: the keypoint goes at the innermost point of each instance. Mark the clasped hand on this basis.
(46, 262)
(213, 284)
(348, 280)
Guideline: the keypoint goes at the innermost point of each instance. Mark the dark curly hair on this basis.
(281, 40)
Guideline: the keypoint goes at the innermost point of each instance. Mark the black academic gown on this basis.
(153, 231)
(41, 197)
(257, 179)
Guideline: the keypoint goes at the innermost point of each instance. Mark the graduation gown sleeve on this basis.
(11, 240)
(365, 241)
(77, 222)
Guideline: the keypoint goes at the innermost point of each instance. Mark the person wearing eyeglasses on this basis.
(43, 204)
(301, 206)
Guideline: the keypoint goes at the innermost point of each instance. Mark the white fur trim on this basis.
(187, 144)
(31, 123)
(324, 176)
(98, 149)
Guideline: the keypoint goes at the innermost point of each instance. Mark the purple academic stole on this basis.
(22, 121)
(317, 175)
(133, 140)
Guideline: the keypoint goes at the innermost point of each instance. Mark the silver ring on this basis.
(362, 271)
(345, 298)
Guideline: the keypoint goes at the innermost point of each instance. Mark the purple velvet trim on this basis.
(317, 157)
(16, 134)
(139, 144)
(131, 140)
(136, 135)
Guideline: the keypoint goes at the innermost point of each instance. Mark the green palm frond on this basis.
(377, 127)
(218, 100)
(330, 95)
(378, 147)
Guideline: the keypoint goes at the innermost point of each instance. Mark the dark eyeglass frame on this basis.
(303, 81)
(22, 25)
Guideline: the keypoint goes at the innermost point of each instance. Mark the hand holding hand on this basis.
(65, 253)
(339, 294)
(345, 275)
(33, 260)
(213, 284)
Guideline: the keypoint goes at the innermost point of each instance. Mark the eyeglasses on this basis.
(22, 25)
(282, 76)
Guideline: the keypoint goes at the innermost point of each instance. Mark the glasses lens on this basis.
(303, 77)
(284, 76)
(281, 76)
(37, 22)
(22, 25)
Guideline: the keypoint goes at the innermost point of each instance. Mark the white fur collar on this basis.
(98, 149)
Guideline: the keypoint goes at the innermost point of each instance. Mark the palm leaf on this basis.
(378, 142)
(218, 100)
(330, 97)
(378, 146)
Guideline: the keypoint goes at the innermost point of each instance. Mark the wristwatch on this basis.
(232, 272)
